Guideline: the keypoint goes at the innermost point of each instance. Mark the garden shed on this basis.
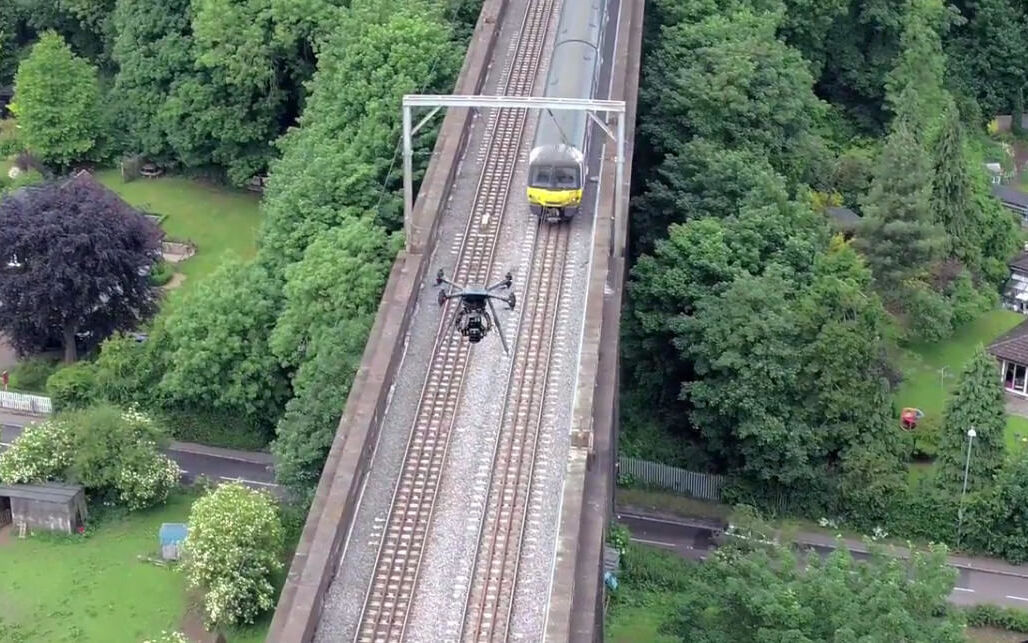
(171, 537)
(52, 506)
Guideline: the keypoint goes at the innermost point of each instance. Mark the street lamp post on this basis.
(967, 466)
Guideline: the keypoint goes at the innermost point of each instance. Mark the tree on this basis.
(334, 164)
(730, 80)
(899, 236)
(214, 346)
(770, 594)
(153, 50)
(952, 191)
(976, 403)
(981, 52)
(78, 262)
(914, 87)
(995, 519)
(702, 179)
(56, 102)
(41, 453)
(330, 301)
(234, 546)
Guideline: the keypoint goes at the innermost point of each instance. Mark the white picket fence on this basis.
(36, 404)
(704, 486)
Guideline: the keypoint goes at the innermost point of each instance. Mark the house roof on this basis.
(844, 217)
(54, 492)
(1010, 195)
(1020, 262)
(1012, 346)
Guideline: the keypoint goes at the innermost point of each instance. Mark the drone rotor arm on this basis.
(499, 329)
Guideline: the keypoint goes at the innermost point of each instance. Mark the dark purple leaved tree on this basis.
(74, 259)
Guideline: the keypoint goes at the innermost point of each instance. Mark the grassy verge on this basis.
(652, 581)
(216, 219)
(66, 589)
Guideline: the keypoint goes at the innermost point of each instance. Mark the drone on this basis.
(472, 319)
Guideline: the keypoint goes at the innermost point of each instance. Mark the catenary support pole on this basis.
(408, 180)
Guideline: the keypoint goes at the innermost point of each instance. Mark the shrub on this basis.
(73, 387)
(161, 273)
(144, 486)
(42, 452)
(234, 545)
(213, 428)
(926, 437)
(10, 141)
(32, 374)
(1007, 618)
(930, 315)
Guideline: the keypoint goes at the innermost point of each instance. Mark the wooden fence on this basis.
(704, 486)
(26, 403)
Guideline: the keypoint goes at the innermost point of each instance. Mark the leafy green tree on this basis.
(865, 42)
(699, 259)
(702, 179)
(153, 50)
(994, 520)
(982, 52)
(899, 236)
(914, 87)
(330, 301)
(215, 345)
(977, 403)
(234, 546)
(56, 102)
(730, 80)
(334, 164)
(770, 594)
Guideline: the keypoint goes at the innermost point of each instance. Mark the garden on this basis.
(57, 587)
(931, 369)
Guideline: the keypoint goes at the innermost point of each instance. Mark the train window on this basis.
(567, 177)
(542, 177)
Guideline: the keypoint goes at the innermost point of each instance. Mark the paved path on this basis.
(980, 580)
(251, 468)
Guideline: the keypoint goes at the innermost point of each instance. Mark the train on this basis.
(557, 163)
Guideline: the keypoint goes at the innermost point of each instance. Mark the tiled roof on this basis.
(844, 216)
(1010, 195)
(1020, 262)
(1013, 345)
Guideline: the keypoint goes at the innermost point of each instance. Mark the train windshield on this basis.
(566, 178)
(554, 178)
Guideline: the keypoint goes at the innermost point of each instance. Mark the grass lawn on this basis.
(56, 589)
(926, 385)
(640, 622)
(216, 219)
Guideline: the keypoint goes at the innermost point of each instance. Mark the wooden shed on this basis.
(52, 506)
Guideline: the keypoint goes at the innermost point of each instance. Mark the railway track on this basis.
(389, 597)
(491, 596)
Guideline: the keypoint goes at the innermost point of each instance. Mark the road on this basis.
(252, 469)
(694, 540)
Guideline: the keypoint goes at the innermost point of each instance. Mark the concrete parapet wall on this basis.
(576, 603)
(335, 501)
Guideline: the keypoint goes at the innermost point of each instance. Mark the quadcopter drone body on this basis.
(472, 319)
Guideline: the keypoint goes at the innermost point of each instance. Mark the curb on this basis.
(251, 457)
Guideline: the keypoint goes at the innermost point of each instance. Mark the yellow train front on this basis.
(555, 182)
(557, 163)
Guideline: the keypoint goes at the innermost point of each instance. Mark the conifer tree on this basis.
(977, 403)
(953, 199)
(899, 237)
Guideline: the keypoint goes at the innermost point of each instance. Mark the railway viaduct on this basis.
(574, 607)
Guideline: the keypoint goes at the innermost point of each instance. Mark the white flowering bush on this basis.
(169, 637)
(234, 546)
(140, 487)
(42, 452)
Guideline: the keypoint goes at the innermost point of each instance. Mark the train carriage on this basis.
(557, 164)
